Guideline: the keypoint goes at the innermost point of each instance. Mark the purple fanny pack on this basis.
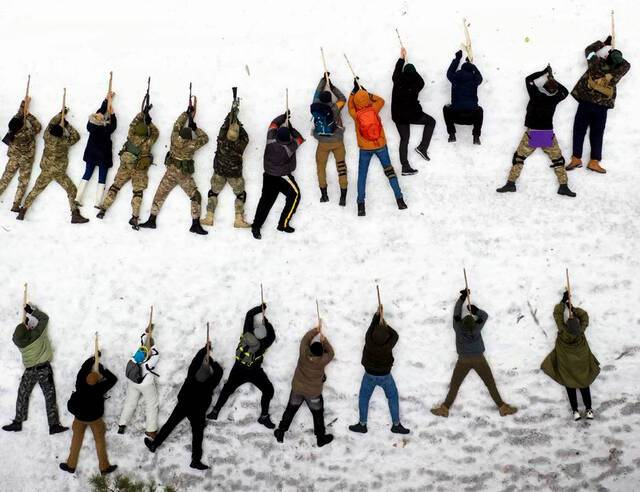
(540, 138)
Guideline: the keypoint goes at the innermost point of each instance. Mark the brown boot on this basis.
(15, 208)
(151, 435)
(208, 220)
(240, 223)
(77, 218)
(21, 213)
(596, 167)
(441, 411)
(506, 409)
(574, 164)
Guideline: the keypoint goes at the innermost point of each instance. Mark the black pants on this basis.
(454, 116)
(316, 405)
(404, 130)
(594, 118)
(42, 375)
(240, 375)
(271, 186)
(573, 398)
(197, 421)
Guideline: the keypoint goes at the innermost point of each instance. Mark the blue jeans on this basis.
(363, 169)
(102, 172)
(369, 383)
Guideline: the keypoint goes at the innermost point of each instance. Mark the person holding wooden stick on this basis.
(406, 110)
(470, 348)
(539, 132)
(596, 93)
(571, 363)
(377, 359)
(194, 399)
(315, 354)
(58, 137)
(464, 108)
(21, 143)
(283, 141)
(257, 336)
(32, 339)
(87, 406)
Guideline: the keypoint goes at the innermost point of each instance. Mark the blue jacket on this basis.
(468, 342)
(464, 85)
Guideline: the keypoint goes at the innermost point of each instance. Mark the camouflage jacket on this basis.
(137, 149)
(228, 159)
(598, 84)
(183, 149)
(56, 149)
(23, 145)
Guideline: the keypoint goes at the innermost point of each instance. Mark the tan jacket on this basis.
(309, 375)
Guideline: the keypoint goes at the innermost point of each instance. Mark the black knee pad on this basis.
(559, 162)
(114, 188)
(517, 159)
(196, 197)
(242, 196)
(212, 194)
(389, 172)
(138, 193)
(342, 168)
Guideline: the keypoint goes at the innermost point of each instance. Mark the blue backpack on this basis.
(323, 121)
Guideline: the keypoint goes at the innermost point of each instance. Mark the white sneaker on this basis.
(576, 416)
(589, 414)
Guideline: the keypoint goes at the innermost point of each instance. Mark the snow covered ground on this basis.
(103, 276)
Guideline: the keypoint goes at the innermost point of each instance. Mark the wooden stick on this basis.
(352, 71)
(286, 97)
(206, 357)
(147, 341)
(466, 286)
(399, 38)
(64, 107)
(109, 110)
(613, 30)
(318, 313)
(262, 304)
(468, 40)
(324, 64)
(96, 355)
(569, 292)
(26, 96)
(24, 303)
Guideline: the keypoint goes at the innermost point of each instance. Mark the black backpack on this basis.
(134, 372)
(323, 121)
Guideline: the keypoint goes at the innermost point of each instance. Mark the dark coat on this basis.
(280, 158)
(464, 85)
(265, 343)
(377, 355)
(309, 376)
(542, 106)
(228, 159)
(195, 395)
(87, 402)
(99, 147)
(468, 342)
(405, 107)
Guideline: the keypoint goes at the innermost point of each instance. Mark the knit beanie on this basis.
(409, 69)
(283, 134)
(141, 354)
(15, 124)
(468, 322)
(316, 349)
(325, 97)
(56, 130)
(185, 132)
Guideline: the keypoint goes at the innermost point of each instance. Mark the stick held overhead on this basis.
(467, 46)
(352, 71)
(24, 303)
(613, 30)
(466, 286)
(569, 293)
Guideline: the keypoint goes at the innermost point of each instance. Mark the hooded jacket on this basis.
(338, 102)
(99, 147)
(377, 355)
(227, 161)
(34, 345)
(359, 100)
(464, 85)
(280, 157)
(87, 402)
(257, 356)
(309, 376)
(469, 343)
(407, 84)
(196, 395)
(542, 106)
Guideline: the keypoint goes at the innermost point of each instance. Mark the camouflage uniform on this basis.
(135, 160)
(227, 166)
(524, 150)
(21, 153)
(179, 162)
(54, 162)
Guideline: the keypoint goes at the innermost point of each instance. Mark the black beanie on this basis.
(15, 124)
(325, 97)
(56, 130)
(316, 349)
(283, 134)
(185, 132)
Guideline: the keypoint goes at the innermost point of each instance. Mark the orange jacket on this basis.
(361, 99)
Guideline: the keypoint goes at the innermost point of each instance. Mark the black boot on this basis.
(399, 429)
(407, 170)
(122, 429)
(287, 229)
(323, 195)
(133, 222)
(150, 444)
(359, 428)
(361, 210)
(401, 204)
(110, 469)
(343, 197)
(13, 427)
(324, 440)
(196, 228)
(67, 468)
(100, 215)
(21, 213)
(564, 190)
(150, 223)
(57, 429)
(15, 208)
(452, 138)
(423, 153)
(198, 465)
(476, 140)
(77, 218)
(213, 414)
(509, 187)
(279, 433)
(266, 421)
(256, 233)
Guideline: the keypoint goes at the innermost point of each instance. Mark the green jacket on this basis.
(34, 345)
(571, 362)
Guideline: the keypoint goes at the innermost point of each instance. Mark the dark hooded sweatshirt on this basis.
(279, 157)
(407, 84)
(196, 395)
(377, 355)
(464, 85)
(542, 106)
(87, 402)
(468, 342)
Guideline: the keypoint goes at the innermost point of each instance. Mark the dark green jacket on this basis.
(228, 159)
(34, 345)
(571, 362)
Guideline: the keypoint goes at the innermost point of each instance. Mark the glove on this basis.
(463, 293)
(264, 306)
(147, 118)
(28, 309)
(607, 42)
(356, 86)
(565, 297)
(474, 310)
(459, 54)
(192, 124)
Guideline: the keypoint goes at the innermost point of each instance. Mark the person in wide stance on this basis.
(470, 347)
(571, 362)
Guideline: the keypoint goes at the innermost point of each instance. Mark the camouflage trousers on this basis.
(43, 375)
(175, 177)
(322, 156)
(139, 181)
(47, 176)
(23, 168)
(217, 184)
(524, 150)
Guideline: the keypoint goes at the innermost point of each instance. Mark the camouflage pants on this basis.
(23, 166)
(217, 184)
(524, 150)
(175, 177)
(43, 375)
(322, 156)
(47, 176)
(139, 182)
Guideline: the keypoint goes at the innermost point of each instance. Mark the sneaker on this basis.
(408, 170)
(576, 416)
(109, 469)
(361, 210)
(198, 465)
(256, 233)
(57, 429)
(441, 411)
(266, 421)
(359, 428)
(506, 410)
(324, 440)
(122, 429)
(564, 190)
(279, 435)
(423, 153)
(323, 195)
(401, 204)
(150, 223)
(213, 414)
(67, 468)
(509, 187)
(452, 138)
(574, 164)
(13, 427)
(399, 429)
(476, 140)
(287, 229)
(589, 414)
(343, 197)
(150, 444)
(196, 228)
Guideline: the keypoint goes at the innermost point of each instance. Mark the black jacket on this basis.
(542, 106)
(87, 402)
(377, 355)
(405, 107)
(280, 158)
(99, 147)
(468, 342)
(464, 85)
(196, 396)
